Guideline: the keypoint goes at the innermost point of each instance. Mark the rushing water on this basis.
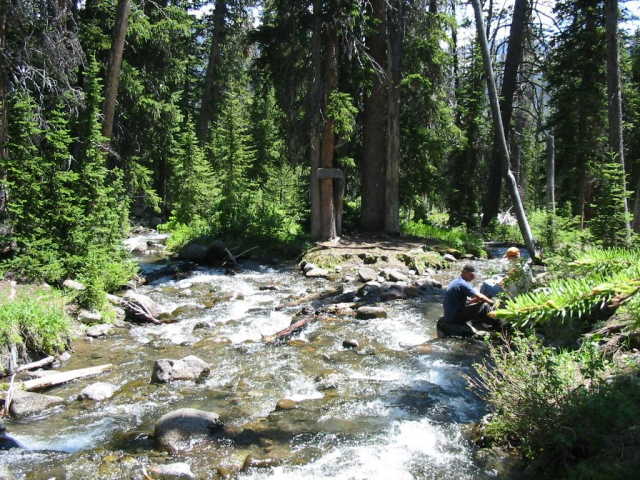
(382, 412)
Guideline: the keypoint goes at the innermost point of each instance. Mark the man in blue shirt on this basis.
(462, 304)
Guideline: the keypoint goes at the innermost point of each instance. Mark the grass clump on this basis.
(457, 237)
(561, 410)
(35, 318)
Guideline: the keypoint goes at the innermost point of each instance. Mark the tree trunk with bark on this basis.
(212, 89)
(498, 125)
(328, 228)
(315, 128)
(392, 167)
(521, 12)
(374, 157)
(115, 64)
(616, 143)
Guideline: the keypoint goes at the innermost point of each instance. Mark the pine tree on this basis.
(233, 156)
(28, 183)
(196, 190)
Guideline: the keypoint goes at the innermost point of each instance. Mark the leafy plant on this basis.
(457, 237)
(35, 318)
(569, 299)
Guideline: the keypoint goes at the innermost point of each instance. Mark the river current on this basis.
(382, 411)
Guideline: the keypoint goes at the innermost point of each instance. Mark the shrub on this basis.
(556, 408)
(35, 318)
(456, 237)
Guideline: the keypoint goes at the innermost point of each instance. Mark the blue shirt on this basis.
(455, 297)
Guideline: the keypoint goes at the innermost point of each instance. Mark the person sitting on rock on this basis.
(465, 306)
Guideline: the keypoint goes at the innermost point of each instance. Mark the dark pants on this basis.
(476, 313)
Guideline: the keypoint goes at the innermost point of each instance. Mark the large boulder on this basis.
(98, 391)
(175, 430)
(204, 250)
(189, 368)
(24, 404)
(140, 308)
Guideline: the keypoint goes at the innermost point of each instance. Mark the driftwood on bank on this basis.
(57, 378)
(33, 365)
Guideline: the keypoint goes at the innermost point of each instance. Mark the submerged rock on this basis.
(350, 343)
(172, 471)
(98, 391)
(5, 474)
(175, 429)
(367, 312)
(285, 404)
(254, 462)
(25, 404)
(189, 368)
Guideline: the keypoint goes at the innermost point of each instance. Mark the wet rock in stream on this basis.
(24, 404)
(171, 471)
(189, 368)
(98, 391)
(100, 330)
(367, 312)
(174, 430)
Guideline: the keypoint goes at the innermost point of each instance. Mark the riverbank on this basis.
(578, 416)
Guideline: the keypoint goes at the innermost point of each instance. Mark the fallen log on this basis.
(57, 378)
(33, 365)
(291, 330)
(312, 298)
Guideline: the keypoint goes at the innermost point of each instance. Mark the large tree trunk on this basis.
(328, 229)
(515, 47)
(373, 163)
(392, 167)
(616, 143)
(314, 130)
(212, 89)
(115, 62)
(497, 121)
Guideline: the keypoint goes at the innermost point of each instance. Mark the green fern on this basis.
(569, 299)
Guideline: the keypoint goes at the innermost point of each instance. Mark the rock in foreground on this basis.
(176, 429)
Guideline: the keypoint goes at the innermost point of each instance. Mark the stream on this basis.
(383, 411)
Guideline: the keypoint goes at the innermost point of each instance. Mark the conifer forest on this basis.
(231, 233)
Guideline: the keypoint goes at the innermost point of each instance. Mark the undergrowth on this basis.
(561, 410)
(458, 237)
(34, 318)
